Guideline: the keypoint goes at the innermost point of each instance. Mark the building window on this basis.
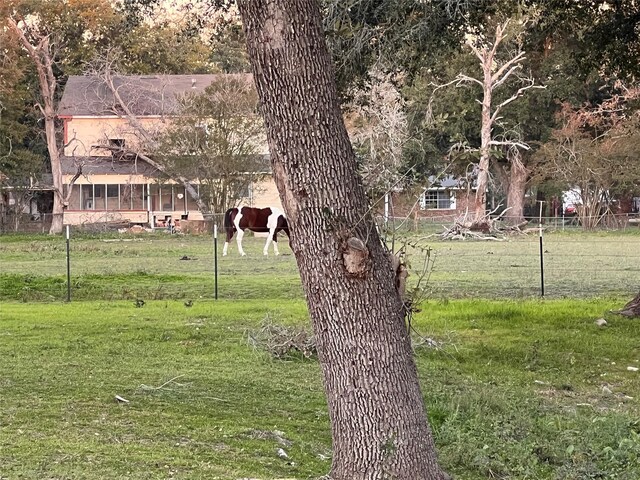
(87, 197)
(437, 200)
(113, 197)
(112, 191)
(116, 143)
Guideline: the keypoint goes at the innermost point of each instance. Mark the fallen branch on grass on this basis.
(147, 387)
(486, 228)
(283, 342)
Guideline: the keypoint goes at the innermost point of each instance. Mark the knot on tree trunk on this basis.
(356, 257)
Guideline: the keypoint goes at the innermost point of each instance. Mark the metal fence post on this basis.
(541, 253)
(215, 258)
(68, 267)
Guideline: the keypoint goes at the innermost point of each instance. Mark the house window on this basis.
(116, 145)
(87, 199)
(437, 200)
(113, 197)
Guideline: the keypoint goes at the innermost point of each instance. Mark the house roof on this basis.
(448, 183)
(88, 95)
(106, 166)
(129, 166)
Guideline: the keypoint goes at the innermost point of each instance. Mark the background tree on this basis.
(497, 71)
(379, 131)
(58, 38)
(217, 141)
(21, 154)
(213, 143)
(593, 152)
(181, 36)
(569, 45)
(378, 421)
(47, 32)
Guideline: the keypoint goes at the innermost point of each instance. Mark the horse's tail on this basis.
(228, 222)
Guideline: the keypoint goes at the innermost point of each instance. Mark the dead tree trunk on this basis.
(378, 420)
(517, 187)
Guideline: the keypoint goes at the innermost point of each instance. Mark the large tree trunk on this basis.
(480, 200)
(378, 420)
(517, 187)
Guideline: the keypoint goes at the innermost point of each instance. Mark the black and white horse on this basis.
(268, 219)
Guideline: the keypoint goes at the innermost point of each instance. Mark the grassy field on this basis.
(160, 266)
(523, 389)
(519, 388)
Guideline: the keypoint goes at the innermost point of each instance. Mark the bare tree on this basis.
(104, 68)
(377, 414)
(217, 139)
(495, 74)
(42, 52)
(379, 130)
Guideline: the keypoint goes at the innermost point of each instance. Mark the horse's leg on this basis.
(275, 242)
(226, 243)
(266, 245)
(239, 240)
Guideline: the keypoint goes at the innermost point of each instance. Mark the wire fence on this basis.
(608, 222)
(567, 267)
(163, 265)
(40, 222)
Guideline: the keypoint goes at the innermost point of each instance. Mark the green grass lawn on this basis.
(516, 390)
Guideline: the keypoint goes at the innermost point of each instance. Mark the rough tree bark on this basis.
(480, 198)
(378, 419)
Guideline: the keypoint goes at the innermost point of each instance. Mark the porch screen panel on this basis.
(100, 197)
(88, 202)
(74, 199)
(113, 197)
(125, 196)
(153, 196)
(137, 192)
(191, 204)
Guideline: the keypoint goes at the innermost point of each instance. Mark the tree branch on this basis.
(496, 77)
(465, 78)
(513, 97)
